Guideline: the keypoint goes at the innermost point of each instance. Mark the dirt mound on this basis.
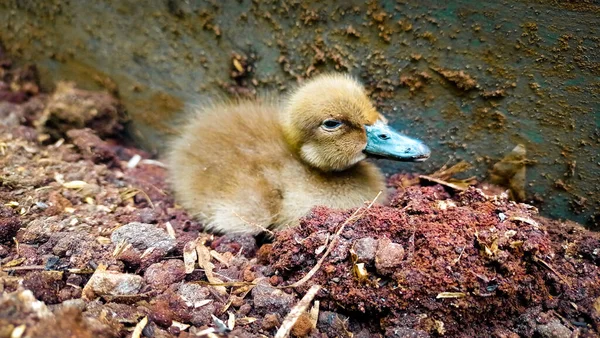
(466, 264)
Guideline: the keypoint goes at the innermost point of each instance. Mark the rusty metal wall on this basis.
(531, 70)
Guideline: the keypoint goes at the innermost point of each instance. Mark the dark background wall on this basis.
(534, 65)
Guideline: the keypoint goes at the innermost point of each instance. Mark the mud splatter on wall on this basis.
(474, 79)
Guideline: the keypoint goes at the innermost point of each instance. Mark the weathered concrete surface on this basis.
(536, 65)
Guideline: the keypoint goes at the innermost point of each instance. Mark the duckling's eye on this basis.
(331, 124)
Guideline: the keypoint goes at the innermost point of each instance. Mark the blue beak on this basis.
(385, 142)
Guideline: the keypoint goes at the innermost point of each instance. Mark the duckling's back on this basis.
(222, 164)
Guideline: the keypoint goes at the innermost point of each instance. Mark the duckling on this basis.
(246, 166)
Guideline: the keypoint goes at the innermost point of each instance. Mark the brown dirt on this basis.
(91, 243)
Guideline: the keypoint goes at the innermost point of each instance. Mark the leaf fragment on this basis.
(444, 295)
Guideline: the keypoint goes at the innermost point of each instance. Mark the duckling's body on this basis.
(243, 166)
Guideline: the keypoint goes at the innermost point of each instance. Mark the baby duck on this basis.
(245, 166)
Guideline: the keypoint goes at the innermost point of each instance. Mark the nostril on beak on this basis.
(384, 136)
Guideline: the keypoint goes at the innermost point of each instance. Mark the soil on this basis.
(92, 244)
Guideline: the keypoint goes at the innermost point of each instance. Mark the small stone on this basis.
(553, 329)
(193, 294)
(148, 215)
(45, 285)
(268, 299)
(93, 148)
(143, 236)
(74, 303)
(270, 321)
(162, 275)
(249, 275)
(237, 301)
(365, 249)
(244, 310)
(274, 280)
(71, 108)
(202, 315)
(389, 255)
(331, 323)
(234, 242)
(113, 283)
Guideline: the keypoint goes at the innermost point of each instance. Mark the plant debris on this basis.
(510, 172)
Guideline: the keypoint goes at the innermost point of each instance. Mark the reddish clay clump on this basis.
(458, 259)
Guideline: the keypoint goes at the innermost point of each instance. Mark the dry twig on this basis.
(296, 311)
(137, 332)
(353, 218)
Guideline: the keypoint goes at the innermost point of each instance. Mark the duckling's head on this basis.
(332, 124)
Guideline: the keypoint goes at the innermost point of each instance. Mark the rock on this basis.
(92, 147)
(553, 329)
(74, 303)
(244, 310)
(44, 285)
(40, 229)
(202, 315)
(389, 255)
(9, 224)
(71, 108)
(193, 295)
(268, 299)
(10, 115)
(169, 307)
(162, 275)
(13, 115)
(271, 321)
(112, 283)
(303, 326)
(25, 302)
(68, 242)
(143, 236)
(332, 323)
(234, 242)
(71, 322)
(365, 249)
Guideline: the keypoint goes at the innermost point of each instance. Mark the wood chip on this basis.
(134, 161)
(180, 326)
(170, 230)
(137, 331)
(444, 295)
(297, 310)
(230, 320)
(220, 325)
(245, 320)
(221, 258)
(525, 220)
(205, 263)
(88, 293)
(314, 314)
(18, 331)
(120, 248)
(238, 66)
(74, 184)
(189, 256)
